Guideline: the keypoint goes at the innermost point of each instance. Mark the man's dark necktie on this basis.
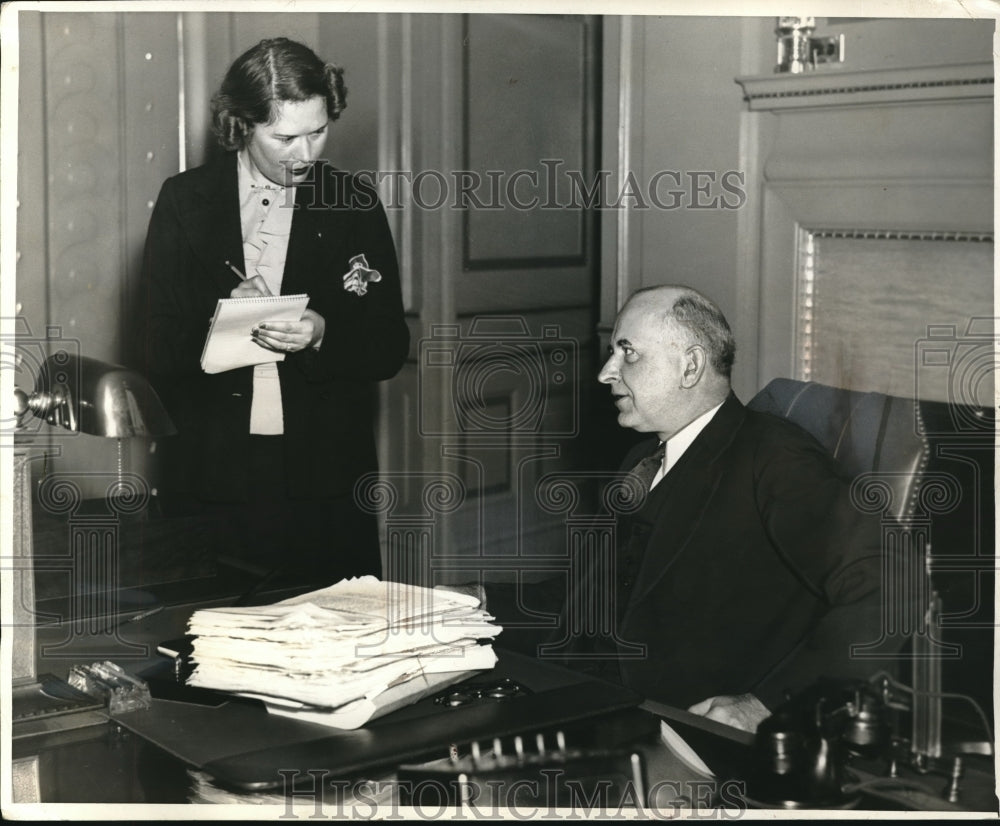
(647, 468)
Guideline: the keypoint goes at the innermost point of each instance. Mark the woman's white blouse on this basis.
(266, 211)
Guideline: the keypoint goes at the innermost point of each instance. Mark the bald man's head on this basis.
(700, 316)
(671, 356)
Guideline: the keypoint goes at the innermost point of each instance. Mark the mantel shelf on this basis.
(834, 87)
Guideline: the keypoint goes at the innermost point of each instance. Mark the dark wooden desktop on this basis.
(167, 568)
(89, 758)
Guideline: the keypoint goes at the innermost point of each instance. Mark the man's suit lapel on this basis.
(211, 220)
(681, 501)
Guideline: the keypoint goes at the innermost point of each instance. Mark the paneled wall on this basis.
(671, 103)
(98, 132)
(496, 291)
(673, 118)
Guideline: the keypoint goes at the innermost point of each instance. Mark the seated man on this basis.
(746, 573)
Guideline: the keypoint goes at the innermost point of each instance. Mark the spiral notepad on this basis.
(229, 344)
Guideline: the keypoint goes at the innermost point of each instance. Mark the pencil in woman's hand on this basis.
(236, 270)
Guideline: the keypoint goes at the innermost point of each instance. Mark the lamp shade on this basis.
(90, 396)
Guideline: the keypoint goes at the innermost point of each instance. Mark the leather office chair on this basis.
(865, 432)
(883, 440)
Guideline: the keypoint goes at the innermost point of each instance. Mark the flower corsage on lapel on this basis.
(360, 275)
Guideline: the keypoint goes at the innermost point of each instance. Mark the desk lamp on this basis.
(82, 395)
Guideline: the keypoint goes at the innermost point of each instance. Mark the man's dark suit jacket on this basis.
(327, 393)
(746, 570)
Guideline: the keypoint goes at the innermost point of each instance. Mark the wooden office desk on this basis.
(107, 764)
(102, 762)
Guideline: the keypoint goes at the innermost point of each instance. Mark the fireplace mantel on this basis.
(920, 84)
(900, 153)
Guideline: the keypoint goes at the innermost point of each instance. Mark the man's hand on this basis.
(742, 711)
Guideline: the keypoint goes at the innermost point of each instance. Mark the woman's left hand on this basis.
(291, 336)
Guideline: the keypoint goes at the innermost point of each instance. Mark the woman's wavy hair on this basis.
(273, 71)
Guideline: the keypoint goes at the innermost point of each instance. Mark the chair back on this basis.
(865, 432)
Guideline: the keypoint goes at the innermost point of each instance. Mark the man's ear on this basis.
(695, 359)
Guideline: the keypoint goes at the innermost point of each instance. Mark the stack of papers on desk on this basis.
(344, 654)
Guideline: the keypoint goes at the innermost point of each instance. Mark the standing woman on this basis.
(272, 452)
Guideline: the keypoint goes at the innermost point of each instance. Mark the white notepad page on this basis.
(229, 344)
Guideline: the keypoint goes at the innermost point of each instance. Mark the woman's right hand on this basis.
(251, 288)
